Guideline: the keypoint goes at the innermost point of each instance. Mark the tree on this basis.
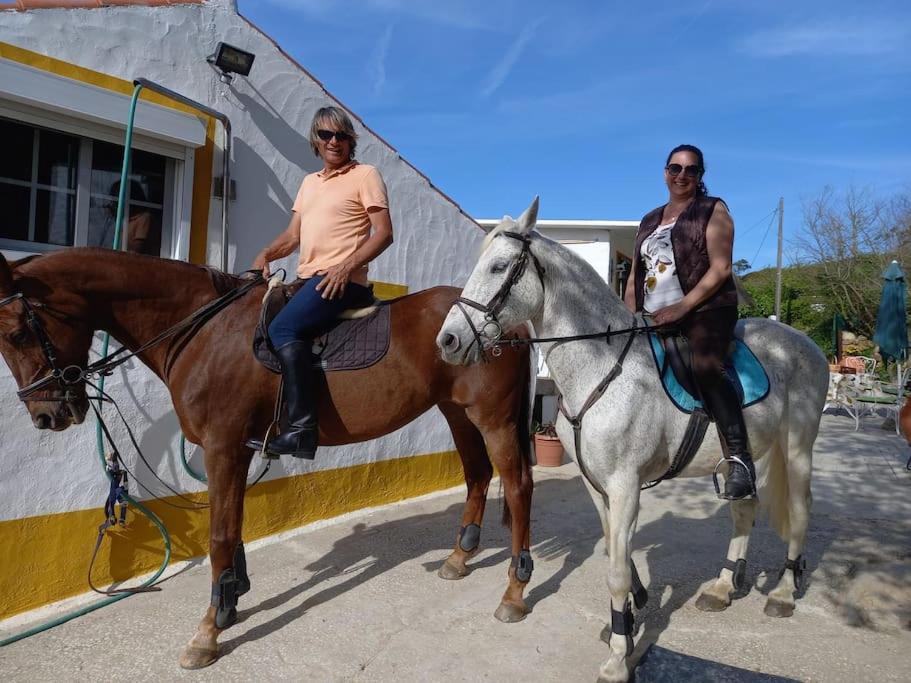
(740, 266)
(850, 238)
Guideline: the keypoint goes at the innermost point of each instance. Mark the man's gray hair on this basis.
(341, 121)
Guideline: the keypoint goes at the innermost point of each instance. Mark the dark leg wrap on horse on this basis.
(640, 595)
(240, 569)
(469, 537)
(524, 566)
(799, 567)
(739, 570)
(224, 599)
(622, 624)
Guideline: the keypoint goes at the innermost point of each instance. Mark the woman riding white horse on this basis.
(631, 430)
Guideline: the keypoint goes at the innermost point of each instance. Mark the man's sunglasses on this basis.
(689, 171)
(327, 135)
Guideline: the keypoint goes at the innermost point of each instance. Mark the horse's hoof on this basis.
(777, 608)
(196, 658)
(510, 613)
(707, 602)
(452, 573)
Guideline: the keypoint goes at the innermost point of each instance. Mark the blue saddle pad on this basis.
(743, 368)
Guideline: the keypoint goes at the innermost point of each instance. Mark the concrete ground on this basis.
(359, 599)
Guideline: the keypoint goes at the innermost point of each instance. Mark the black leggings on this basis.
(710, 334)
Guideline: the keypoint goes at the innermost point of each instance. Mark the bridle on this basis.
(67, 377)
(491, 331)
(71, 375)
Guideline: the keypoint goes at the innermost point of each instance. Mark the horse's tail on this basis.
(523, 425)
(777, 490)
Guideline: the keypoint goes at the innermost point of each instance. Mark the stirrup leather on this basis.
(730, 460)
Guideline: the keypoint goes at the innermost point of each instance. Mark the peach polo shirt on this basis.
(334, 219)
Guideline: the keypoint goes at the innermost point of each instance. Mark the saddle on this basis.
(673, 360)
(358, 339)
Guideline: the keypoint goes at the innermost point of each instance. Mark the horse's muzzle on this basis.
(58, 415)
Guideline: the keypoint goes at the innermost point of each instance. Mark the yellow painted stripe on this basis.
(78, 73)
(388, 290)
(202, 167)
(202, 184)
(46, 557)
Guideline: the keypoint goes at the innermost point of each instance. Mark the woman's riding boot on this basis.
(724, 405)
(302, 435)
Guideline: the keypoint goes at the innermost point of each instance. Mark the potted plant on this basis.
(548, 449)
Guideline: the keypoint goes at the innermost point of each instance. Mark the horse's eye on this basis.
(19, 338)
(499, 267)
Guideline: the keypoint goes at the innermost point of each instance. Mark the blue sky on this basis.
(580, 102)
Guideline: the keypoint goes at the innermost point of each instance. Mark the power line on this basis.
(768, 227)
(744, 232)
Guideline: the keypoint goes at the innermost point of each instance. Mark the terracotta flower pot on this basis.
(548, 450)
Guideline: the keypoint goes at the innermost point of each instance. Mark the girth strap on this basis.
(692, 440)
(592, 399)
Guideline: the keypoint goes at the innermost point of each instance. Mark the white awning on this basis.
(41, 93)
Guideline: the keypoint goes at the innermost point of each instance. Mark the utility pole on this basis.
(778, 270)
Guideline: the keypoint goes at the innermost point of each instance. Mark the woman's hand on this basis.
(670, 314)
(333, 284)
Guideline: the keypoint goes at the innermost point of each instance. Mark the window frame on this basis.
(177, 205)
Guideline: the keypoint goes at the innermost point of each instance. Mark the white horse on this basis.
(630, 434)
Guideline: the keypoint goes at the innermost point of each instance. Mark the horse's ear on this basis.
(529, 218)
(6, 276)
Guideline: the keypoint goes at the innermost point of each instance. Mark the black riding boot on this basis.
(724, 405)
(302, 435)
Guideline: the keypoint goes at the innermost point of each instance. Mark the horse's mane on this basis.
(222, 281)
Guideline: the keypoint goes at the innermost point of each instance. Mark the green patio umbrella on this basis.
(891, 324)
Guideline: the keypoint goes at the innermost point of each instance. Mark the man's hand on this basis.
(670, 314)
(336, 278)
(262, 263)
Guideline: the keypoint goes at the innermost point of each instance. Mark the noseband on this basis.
(491, 331)
(66, 377)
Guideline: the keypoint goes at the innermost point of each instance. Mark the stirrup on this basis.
(258, 445)
(731, 460)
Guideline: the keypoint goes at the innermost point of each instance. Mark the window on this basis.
(38, 184)
(46, 176)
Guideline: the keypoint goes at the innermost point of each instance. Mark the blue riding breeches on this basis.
(307, 313)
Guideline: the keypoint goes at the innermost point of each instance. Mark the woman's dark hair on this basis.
(701, 189)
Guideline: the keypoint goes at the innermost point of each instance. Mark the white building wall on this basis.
(43, 472)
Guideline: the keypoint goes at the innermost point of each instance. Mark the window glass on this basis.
(148, 169)
(55, 218)
(58, 157)
(16, 159)
(145, 202)
(15, 202)
(40, 182)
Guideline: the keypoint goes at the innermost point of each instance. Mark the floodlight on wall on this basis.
(231, 60)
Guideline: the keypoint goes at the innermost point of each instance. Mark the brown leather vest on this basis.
(690, 253)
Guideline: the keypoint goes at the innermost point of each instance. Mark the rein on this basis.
(73, 374)
(495, 342)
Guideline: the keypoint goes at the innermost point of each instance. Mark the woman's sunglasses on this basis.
(327, 135)
(689, 171)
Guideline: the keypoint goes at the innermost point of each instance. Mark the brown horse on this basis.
(223, 396)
